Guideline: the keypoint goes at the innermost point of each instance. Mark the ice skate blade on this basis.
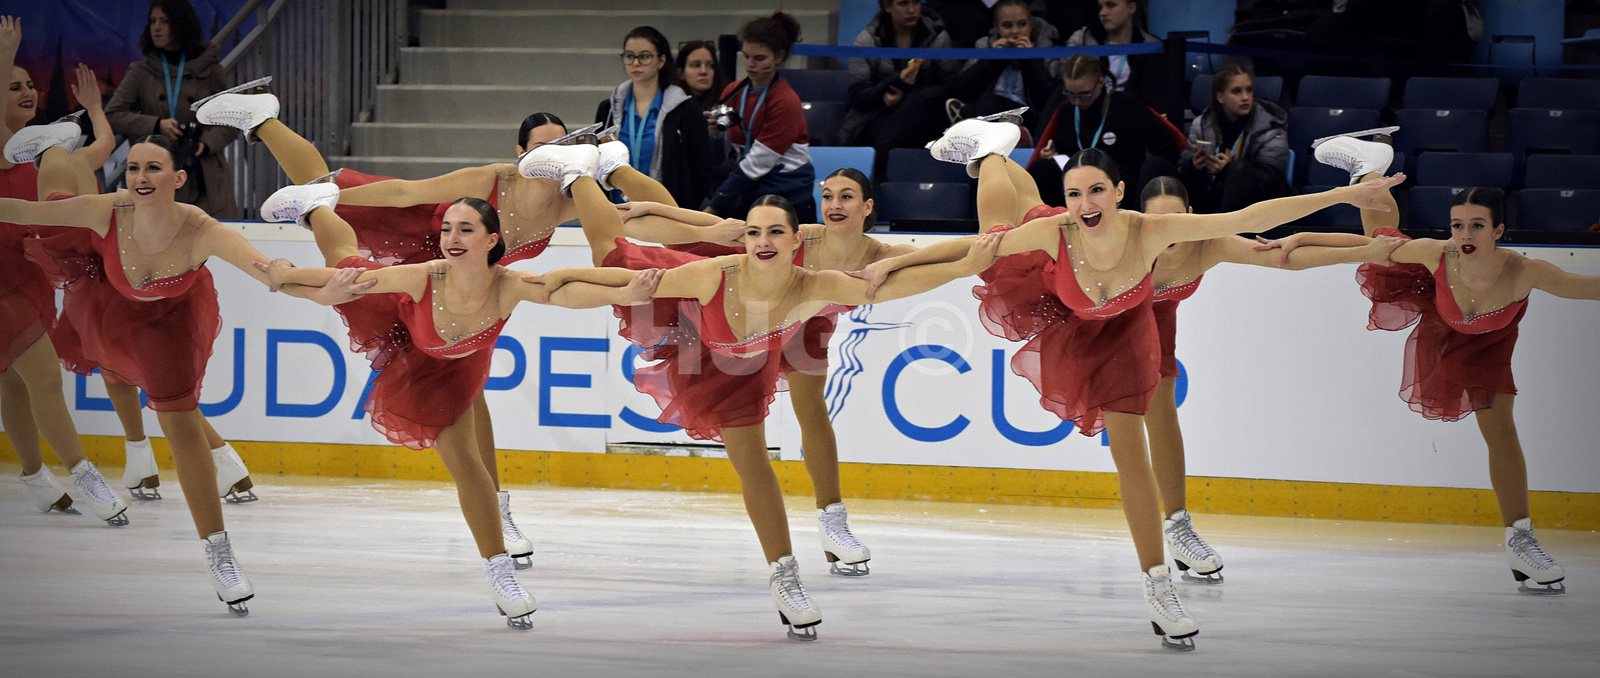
(804, 633)
(589, 134)
(1013, 116)
(609, 134)
(1207, 579)
(845, 569)
(241, 492)
(1362, 133)
(238, 607)
(522, 562)
(1183, 643)
(329, 178)
(1554, 588)
(119, 520)
(258, 82)
(145, 491)
(63, 506)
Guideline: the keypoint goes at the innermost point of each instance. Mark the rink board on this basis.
(1288, 403)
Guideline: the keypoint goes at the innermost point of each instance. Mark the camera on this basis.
(188, 143)
(724, 116)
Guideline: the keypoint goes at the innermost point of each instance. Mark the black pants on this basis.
(918, 119)
(1239, 185)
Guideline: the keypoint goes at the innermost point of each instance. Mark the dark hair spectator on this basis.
(988, 86)
(770, 138)
(699, 74)
(1238, 147)
(662, 126)
(1087, 114)
(1149, 77)
(179, 68)
(898, 103)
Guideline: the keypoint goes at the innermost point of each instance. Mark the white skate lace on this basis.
(223, 567)
(1341, 160)
(1160, 590)
(958, 149)
(94, 485)
(1184, 537)
(502, 576)
(288, 212)
(508, 528)
(838, 528)
(1528, 550)
(235, 118)
(787, 581)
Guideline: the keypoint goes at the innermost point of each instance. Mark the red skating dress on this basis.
(1083, 359)
(702, 376)
(27, 304)
(424, 384)
(410, 235)
(1166, 310)
(157, 335)
(1454, 364)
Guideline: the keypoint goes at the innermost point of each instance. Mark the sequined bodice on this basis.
(1476, 323)
(163, 275)
(718, 334)
(526, 236)
(418, 316)
(1092, 301)
(1176, 291)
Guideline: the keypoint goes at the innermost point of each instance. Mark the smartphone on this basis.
(1206, 146)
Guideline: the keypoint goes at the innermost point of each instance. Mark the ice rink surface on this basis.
(360, 578)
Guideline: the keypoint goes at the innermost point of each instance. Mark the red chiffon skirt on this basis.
(698, 390)
(1447, 374)
(1166, 313)
(415, 395)
(394, 235)
(27, 303)
(1081, 368)
(161, 346)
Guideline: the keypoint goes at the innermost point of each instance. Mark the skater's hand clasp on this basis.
(1369, 195)
(642, 287)
(275, 272)
(729, 232)
(343, 287)
(982, 253)
(1284, 245)
(1380, 249)
(636, 209)
(875, 273)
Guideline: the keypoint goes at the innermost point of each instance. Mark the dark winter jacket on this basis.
(140, 102)
(871, 78)
(1150, 76)
(978, 76)
(682, 160)
(1266, 138)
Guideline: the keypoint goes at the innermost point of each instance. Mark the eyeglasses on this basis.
(642, 58)
(1082, 96)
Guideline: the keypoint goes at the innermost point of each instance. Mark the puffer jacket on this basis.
(870, 78)
(1266, 142)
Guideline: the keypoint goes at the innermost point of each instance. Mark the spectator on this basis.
(898, 103)
(966, 21)
(1238, 148)
(986, 86)
(664, 130)
(770, 136)
(1147, 76)
(179, 68)
(1087, 115)
(698, 73)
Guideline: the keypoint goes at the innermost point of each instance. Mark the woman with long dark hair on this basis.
(661, 125)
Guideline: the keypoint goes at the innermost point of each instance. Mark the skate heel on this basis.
(238, 607)
(1539, 588)
(146, 489)
(520, 623)
(803, 632)
(257, 86)
(1183, 643)
(241, 492)
(64, 505)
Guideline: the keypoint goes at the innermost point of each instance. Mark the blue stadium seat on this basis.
(1582, 95)
(1553, 130)
(1268, 87)
(1307, 124)
(1465, 169)
(822, 120)
(916, 165)
(1338, 216)
(1556, 209)
(1428, 207)
(1318, 174)
(912, 200)
(1512, 50)
(826, 159)
(1340, 92)
(819, 84)
(1461, 131)
(1476, 94)
(1562, 171)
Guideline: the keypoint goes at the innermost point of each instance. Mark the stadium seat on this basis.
(1562, 171)
(1512, 50)
(1307, 123)
(1340, 92)
(1421, 130)
(1477, 94)
(1428, 207)
(913, 200)
(1553, 130)
(917, 166)
(822, 120)
(826, 159)
(1493, 170)
(1555, 209)
(1569, 93)
(819, 84)
(1337, 216)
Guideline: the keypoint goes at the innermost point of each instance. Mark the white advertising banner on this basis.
(1283, 381)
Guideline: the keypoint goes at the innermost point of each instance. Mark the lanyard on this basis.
(1238, 145)
(750, 121)
(1077, 117)
(636, 124)
(172, 84)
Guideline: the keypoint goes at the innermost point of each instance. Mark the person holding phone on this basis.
(1238, 148)
(898, 103)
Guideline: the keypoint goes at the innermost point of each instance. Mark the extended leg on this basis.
(602, 224)
(125, 400)
(1137, 483)
(763, 497)
(1508, 473)
(997, 197)
(298, 157)
(640, 187)
(335, 239)
(39, 369)
(16, 412)
(475, 490)
(197, 472)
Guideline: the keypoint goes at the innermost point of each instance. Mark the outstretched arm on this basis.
(840, 288)
(1304, 250)
(589, 295)
(87, 92)
(84, 211)
(1039, 234)
(1161, 230)
(469, 181)
(230, 246)
(1546, 276)
(669, 225)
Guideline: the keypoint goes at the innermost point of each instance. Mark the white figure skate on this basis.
(226, 577)
(613, 156)
(1167, 616)
(1189, 551)
(139, 472)
(28, 143)
(1529, 561)
(244, 112)
(587, 135)
(1356, 156)
(846, 553)
(517, 546)
(48, 494)
(106, 504)
(561, 163)
(513, 601)
(233, 479)
(295, 203)
(795, 608)
(970, 141)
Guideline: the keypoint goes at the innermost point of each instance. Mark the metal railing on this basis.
(326, 59)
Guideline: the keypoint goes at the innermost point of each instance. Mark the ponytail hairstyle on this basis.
(1096, 158)
(1160, 186)
(778, 33)
(1083, 66)
(1492, 198)
(491, 223)
(536, 120)
(863, 184)
(780, 202)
